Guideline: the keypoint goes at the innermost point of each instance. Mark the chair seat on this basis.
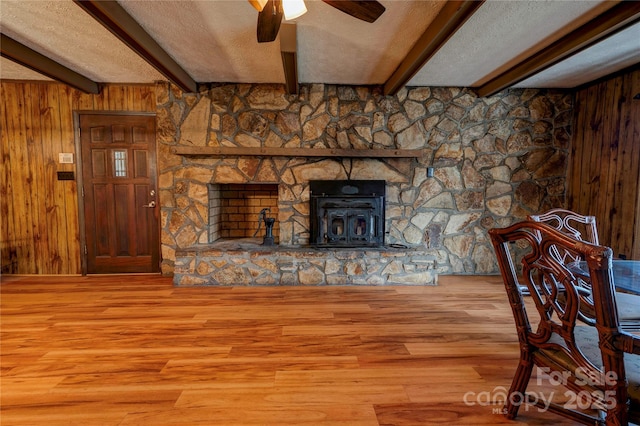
(588, 338)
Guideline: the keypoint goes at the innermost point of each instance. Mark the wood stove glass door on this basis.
(349, 227)
(337, 226)
(360, 227)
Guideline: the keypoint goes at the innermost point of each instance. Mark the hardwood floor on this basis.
(134, 350)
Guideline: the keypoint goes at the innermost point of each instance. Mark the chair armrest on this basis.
(628, 343)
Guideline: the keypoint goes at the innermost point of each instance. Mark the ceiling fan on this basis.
(271, 13)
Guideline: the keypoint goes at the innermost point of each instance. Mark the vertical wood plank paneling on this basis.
(36, 156)
(625, 185)
(9, 239)
(83, 101)
(117, 101)
(21, 190)
(605, 161)
(129, 95)
(630, 132)
(39, 230)
(593, 170)
(617, 186)
(136, 98)
(574, 168)
(69, 188)
(56, 222)
(101, 100)
(7, 254)
(635, 120)
(609, 171)
(587, 135)
(149, 99)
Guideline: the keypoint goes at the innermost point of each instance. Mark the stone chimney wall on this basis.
(495, 159)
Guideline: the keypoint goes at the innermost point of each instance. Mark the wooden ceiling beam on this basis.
(450, 18)
(110, 14)
(27, 57)
(288, 50)
(615, 19)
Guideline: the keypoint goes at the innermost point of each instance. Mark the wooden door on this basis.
(120, 193)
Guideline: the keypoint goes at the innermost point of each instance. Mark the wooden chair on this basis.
(600, 361)
(582, 227)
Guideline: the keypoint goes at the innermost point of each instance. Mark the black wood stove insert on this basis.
(347, 213)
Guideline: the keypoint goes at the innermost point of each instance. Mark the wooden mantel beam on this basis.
(450, 18)
(27, 57)
(110, 14)
(296, 152)
(615, 19)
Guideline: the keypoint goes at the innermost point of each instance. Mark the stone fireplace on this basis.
(494, 160)
(233, 256)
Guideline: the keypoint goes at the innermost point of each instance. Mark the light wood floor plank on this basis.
(134, 350)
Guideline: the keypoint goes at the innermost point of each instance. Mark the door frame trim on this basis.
(80, 176)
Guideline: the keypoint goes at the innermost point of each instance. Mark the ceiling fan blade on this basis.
(258, 4)
(366, 10)
(269, 21)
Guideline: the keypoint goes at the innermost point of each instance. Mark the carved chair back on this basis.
(552, 329)
(578, 226)
(583, 227)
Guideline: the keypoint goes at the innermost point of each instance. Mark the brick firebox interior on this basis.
(235, 210)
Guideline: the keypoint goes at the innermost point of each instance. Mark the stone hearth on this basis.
(246, 262)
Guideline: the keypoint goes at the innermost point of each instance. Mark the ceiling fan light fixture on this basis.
(258, 4)
(293, 9)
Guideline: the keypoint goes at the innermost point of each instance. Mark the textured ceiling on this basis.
(500, 32)
(215, 41)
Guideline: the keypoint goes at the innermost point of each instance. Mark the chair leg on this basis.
(516, 396)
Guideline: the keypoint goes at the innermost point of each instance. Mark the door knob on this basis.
(151, 205)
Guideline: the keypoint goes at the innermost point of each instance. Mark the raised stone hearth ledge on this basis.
(245, 262)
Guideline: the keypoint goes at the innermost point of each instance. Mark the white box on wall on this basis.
(65, 158)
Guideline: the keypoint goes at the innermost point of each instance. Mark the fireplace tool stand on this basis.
(268, 239)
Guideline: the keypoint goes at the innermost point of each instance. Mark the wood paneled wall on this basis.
(605, 161)
(39, 229)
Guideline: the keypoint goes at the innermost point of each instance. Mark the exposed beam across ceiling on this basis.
(110, 14)
(450, 18)
(29, 58)
(288, 49)
(604, 25)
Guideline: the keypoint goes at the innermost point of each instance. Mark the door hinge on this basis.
(83, 192)
(85, 249)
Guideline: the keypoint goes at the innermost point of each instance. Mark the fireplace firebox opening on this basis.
(234, 210)
(347, 213)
